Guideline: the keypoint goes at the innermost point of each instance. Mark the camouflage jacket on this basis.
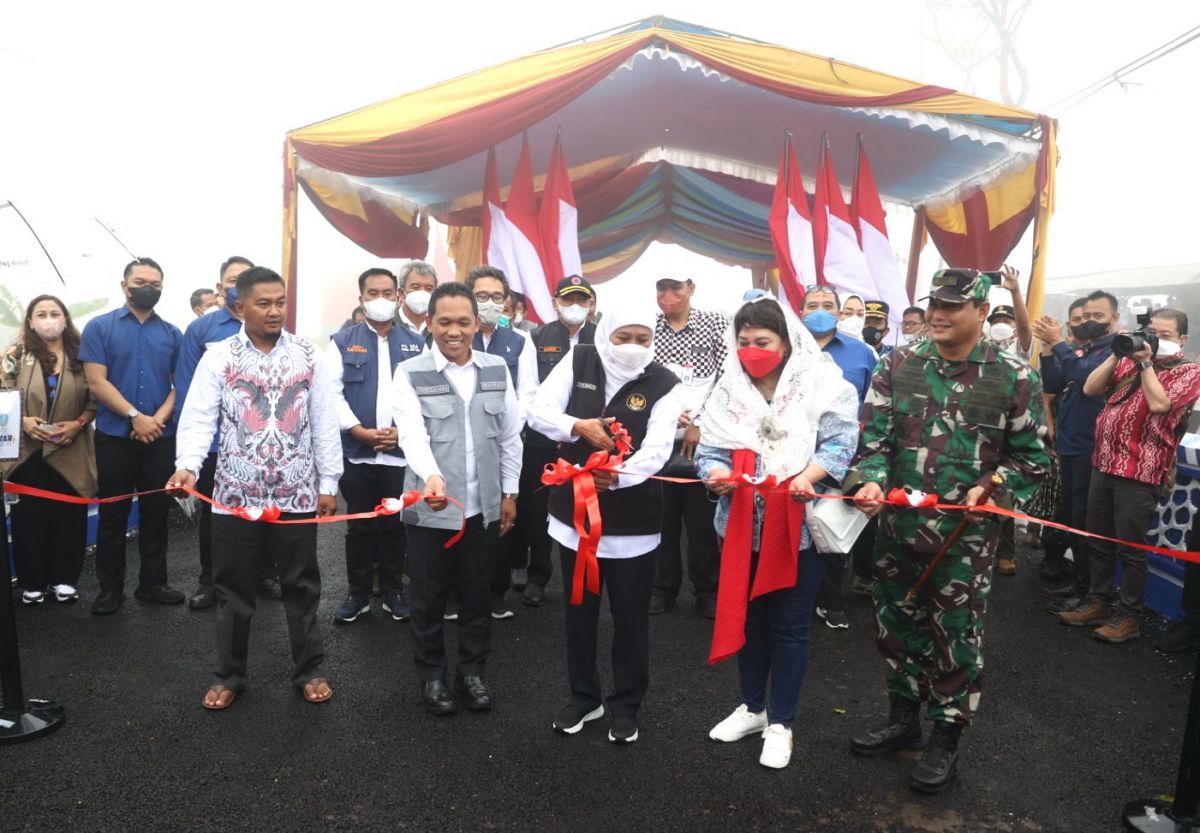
(943, 427)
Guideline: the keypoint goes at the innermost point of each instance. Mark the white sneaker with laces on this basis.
(777, 746)
(65, 593)
(741, 724)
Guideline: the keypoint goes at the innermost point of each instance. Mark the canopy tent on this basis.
(673, 132)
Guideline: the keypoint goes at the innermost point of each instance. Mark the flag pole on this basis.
(914, 252)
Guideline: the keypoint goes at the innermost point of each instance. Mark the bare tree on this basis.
(994, 27)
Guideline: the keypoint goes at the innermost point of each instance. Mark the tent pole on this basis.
(914, 252)
(290, 242)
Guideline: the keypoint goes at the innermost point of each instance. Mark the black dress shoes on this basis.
(474, 692)
(108, 602)
(437, 698)
(205, 596)
(533, 596)
(270, 588)
(159, 594)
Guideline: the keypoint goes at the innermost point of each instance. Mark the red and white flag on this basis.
(790, 222)
(558, 221)
(497, 239)
(840, 261)
(528, 276)
(866, 209)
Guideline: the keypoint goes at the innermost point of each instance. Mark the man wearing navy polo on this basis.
(211, 329)
(129, 357)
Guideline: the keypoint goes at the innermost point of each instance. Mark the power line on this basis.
(1115, 76)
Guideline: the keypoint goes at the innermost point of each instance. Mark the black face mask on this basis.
(872, 336)
(144, 297)
(1089, 331)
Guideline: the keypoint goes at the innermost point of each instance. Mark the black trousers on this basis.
(1119, 508)
(363, 486)
(1190, 599)
(862, 554)
(237, 545)
(204, 485)
(830, 595)
(47, 537)
(124, 466)
(628, 581)
(433, 572)
(686, 505)
(532, 511)
(1076, 479)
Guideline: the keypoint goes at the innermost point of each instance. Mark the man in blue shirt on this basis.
(129, 355)
(857, 362)
(210, 329)
(1064, 371)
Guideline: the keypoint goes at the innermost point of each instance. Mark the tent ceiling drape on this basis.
(673, 133)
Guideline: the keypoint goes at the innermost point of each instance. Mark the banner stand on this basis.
(1182, 815)
(20, 719)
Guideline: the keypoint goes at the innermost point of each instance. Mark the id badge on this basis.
(685, 374)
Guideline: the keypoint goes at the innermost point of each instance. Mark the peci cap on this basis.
(957, 286)
(573, 283)
(877, 309)
(1002, 311)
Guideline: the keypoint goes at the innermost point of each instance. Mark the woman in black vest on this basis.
(781, 410)
(616, 379)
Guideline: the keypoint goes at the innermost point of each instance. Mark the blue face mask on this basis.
(230, 297)
(820, 321)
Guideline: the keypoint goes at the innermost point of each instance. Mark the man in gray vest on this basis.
(460, 429)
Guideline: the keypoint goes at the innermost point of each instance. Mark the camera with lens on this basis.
(1126, 344)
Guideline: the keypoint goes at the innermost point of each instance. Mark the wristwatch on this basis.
(1146, 364)
(134, 413)
(508, 496)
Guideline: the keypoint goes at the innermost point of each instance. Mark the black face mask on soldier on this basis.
(1089, 330)
(144, 297)
(872, 335)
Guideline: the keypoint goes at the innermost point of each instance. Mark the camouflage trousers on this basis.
(934, 645)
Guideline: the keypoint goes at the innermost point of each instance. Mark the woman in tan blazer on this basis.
(57, 452)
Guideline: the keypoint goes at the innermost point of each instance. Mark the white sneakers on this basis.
(741, 724)
(65, 593)
(777, 738)
(32, 597)
(777, 746)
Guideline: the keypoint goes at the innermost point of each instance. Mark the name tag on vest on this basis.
(498, 384)
(550, 349)
(431, 390)
(585, 385)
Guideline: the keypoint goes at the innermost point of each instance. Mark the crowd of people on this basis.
(447, 390)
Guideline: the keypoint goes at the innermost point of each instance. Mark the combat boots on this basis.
(902, 730)
(939, 763)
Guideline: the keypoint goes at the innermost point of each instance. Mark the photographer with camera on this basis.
(1150, 389)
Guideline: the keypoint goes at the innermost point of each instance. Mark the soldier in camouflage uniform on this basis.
(942, 417)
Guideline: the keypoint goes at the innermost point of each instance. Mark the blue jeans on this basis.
(777, 631)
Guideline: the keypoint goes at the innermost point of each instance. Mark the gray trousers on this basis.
(238, 546)
(1119, 508)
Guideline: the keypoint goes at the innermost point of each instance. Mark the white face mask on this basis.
(1002, 332)
(211, 310)
(380, 309)
(490, 312)
(1166, 349)
(630, 356)
(573, 314)
(49, 328)
(852, 326)
(517, 319)
(418, 301)
(909, 338)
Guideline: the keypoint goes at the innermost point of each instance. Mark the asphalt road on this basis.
(1069, 729)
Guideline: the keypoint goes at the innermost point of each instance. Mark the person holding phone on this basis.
(58, 452)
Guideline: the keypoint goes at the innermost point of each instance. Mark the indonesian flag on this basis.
(867, 211)
(528, 275)
(558, 222)
(497, 238)
(790, 222)
(840, 261)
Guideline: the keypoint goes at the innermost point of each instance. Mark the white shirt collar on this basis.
(284, 337)
(440, 361)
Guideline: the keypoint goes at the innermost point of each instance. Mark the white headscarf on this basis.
(625, 314)
(783, 432)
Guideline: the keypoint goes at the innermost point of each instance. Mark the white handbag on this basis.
(834, 524)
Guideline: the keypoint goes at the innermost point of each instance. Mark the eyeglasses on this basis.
(483, 297)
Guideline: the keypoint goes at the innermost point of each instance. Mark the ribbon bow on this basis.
(911, 498)
(587, 520)
(392, 505)
(257, 513)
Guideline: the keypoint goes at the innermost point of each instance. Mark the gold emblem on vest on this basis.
(635, 402)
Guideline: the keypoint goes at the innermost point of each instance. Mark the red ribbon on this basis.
(266, 514)
(588, 524)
